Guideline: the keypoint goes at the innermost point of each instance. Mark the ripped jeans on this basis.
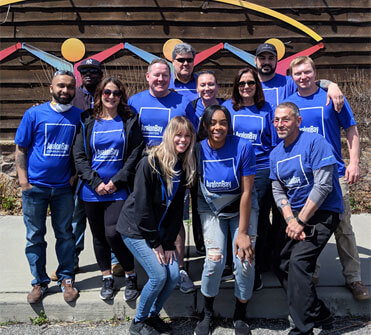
(215, 232)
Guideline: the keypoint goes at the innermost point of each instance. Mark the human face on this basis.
(182, 140)
(304, 77)
(286, 124)
(183, 70)
(159, 80)
(266, 63)
(248, 90)
(110, 97)
(218, 129)
(207, 87)
(62, 89)
(90, 77)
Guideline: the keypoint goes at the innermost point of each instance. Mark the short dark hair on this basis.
(63, 73)
(259, 99)
(212, 73)
(205, 121)
(290, 105)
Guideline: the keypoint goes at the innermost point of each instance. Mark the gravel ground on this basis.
(351, 326)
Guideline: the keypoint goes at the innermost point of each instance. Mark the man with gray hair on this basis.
(184, 81)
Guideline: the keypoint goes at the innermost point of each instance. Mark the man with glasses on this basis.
(185, 81)
(307, 192)
(320, 118)
(43, 158)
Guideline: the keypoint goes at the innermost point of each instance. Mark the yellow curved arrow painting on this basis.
(5, 2)
(273, 13)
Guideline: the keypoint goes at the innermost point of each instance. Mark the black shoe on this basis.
(107, 289)
(204, 327)
(258, 284)
(131, 291)
(142, 328)
(241, 328)
(161, 326)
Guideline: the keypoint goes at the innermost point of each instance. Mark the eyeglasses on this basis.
(183, 60)
(248, 83)
(91, 70)
(63, 73)
(116, 93)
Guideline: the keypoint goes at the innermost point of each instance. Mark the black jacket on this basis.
(147, 209)
(82, 152)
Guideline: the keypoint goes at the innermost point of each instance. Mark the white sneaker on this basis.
(185, 283)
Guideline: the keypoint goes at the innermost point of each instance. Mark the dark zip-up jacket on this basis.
(148, 209)
(82, 152)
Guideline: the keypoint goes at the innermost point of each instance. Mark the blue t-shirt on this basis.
(324, 120)
(293, 166)
(155, 113)
(199, 110)
(188, 90)
(107, 143)
(278, 89)
(48, 136)
(256, 126)
(223, 168)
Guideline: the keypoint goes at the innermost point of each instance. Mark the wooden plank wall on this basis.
(147, 24)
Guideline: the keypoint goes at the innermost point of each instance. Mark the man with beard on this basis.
(43, 158)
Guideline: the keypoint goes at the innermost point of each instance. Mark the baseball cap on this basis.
(266, 47)
(90, 62)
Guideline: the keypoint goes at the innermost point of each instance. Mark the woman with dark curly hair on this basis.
(107, 148)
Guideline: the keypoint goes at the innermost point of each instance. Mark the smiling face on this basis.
(305, 78)
(218, 129)
(159, 80)
(287, 124)
(207, 87)
(266, 64)
(246, 88)
(183, 66)
(111, 96)
(62, 89)
(182, 140)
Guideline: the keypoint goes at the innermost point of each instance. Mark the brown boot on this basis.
(359, 290)
(37, 293)
(70, 293)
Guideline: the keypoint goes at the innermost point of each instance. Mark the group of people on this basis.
(127, 165)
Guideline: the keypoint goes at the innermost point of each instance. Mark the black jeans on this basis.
(297, 263)
(102, 217)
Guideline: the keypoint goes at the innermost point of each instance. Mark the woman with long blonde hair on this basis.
(152, 216)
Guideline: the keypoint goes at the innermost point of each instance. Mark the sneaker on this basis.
(160, 325)
(53, 276)
(241, 328)
(131, 291)
(205, 326)
(258, 284)
(107, 289)
(37, 293)
(70, 293)
(359, 290)
(185, 283)
(141, 328)
(117, 270)
(227, 273)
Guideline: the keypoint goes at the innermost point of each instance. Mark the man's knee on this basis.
(213, 260)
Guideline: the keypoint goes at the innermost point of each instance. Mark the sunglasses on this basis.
(183, 60)
(248, 83)
(91, 70)
(107, 93)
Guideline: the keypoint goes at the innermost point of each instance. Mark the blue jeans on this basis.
(78, 227)
(162, 279)
(215, 231)
(35, 206)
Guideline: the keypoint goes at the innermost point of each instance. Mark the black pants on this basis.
(297, 263)
(102, 217)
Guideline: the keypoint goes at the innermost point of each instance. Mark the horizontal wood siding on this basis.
(343, 24)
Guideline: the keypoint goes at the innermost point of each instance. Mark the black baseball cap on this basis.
(266, 47)
(89, 63)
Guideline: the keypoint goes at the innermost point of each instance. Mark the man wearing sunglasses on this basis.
(184, 81)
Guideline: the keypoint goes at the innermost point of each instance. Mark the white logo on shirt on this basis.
(155, 128)
(310, 129)
(249, 136)
(219, 184)
(110, 152)
(292, 181)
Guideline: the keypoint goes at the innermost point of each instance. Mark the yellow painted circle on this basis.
(168, 48)
(73, 49)
(280, 47)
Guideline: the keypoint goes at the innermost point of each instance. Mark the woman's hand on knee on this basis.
(170, 256)
(160, 255)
